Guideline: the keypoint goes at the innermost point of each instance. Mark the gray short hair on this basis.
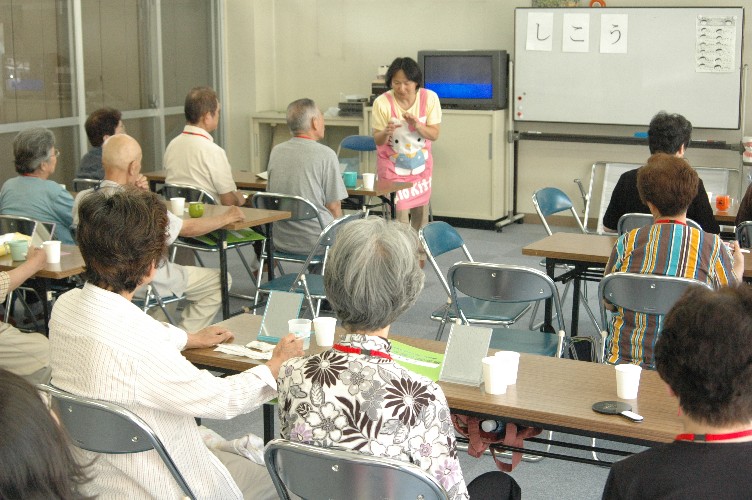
(373, 274)
(31, 148)
(299, 115)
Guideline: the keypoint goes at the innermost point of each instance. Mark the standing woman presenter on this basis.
(406, 120)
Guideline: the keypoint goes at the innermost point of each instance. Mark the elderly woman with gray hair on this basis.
(32, 194)
(355, 396)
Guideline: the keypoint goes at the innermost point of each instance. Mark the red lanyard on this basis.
(705, 438)
(670, 221)
(303, 136)
(194, 133)
(358, 350)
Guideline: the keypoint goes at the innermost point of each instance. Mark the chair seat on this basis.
(315, 284)
(527, 341)
(294, 257)
(484, 312)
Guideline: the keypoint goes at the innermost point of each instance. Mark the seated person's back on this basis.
(303, 167)
(361, 400)
(100, 126)
(703, 356)
(667, 133)
(668, 247)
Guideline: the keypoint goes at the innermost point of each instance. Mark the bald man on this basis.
(121, 159)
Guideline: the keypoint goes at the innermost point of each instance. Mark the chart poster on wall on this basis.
(622, 65)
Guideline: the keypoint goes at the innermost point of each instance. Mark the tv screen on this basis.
(471, 79)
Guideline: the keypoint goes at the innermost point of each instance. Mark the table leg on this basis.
(575, 307)
(268, 422)
(225, 286)
(393, 204)
(548, 316)
(269, 253)
(42, 287)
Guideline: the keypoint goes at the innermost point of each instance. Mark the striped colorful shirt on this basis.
(666, 249)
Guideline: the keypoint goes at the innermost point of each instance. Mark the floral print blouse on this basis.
(370, 405)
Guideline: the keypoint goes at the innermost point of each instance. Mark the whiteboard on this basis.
(570, 76)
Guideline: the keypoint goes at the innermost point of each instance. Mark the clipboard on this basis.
(466, 347)
(281, 307)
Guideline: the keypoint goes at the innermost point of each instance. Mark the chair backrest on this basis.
(357, 143)
(190, 193)
(501, 283)
(550, 201)
(630, 221)
(325, 241)
(299, 207)
(744, 234)
(438, 238)
(79, 184)
(314, 472)
(104, 427)
(27, 226)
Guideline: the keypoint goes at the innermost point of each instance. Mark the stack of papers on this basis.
(239, 350)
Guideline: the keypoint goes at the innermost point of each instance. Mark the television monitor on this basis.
(466, 79)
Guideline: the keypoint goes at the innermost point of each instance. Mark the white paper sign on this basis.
(540, 31)
(716, 38)
(614, 31)
(575, 35)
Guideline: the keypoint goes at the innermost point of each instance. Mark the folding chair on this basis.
(300, 210)
(310, 284)
(642, 293)
(152, 299)
(630, 221)
(28, 227)
(80, 183)
(318, 473)
(208, 243)
(361, 144)
(550, 201)
(501, 283)
(744, 234)
(439, 238)
(103, 427)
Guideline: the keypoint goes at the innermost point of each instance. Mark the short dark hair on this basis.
(100, 123)
(31, 148)
(409, 66)
(668, 182)
(198, 102)
(667, 133)
(121, 234)
(35, 457)
(704, 353)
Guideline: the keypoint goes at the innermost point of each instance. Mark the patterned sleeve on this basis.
(614, 260)
(4, 285)
(722, 273)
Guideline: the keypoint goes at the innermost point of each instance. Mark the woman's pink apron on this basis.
(406, 157)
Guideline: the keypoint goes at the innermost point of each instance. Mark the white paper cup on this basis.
(324, 328)
(302, 330)
(493, 375)
(52, 250)
(177, 206)
(511, 365)
(368, 180)
(627, 380)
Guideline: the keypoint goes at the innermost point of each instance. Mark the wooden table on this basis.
(253, 217)
(728, 217)
(71, 264)
(382, 189)
(545, 394)
(582, 251)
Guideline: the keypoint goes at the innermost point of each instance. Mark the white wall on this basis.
(281, 50)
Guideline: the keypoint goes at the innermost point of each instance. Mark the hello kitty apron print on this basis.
(406, 157)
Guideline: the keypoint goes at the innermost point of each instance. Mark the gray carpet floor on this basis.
(548, 478)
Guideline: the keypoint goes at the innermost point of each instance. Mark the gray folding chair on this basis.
(439, 238)
(642, 293)
(744, 234)
(317, 473)
(300, 210)
(80, 184)
(207, 242)
(630, 221)
(152, 299)
(310, 284)
(502, 283)
(103, 427)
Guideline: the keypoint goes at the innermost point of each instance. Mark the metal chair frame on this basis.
(439, 238)
(634, 220)
(744, 234)
(318, 473)
(193, 193)
(103, 427)
(82, 183)
(152, 299)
